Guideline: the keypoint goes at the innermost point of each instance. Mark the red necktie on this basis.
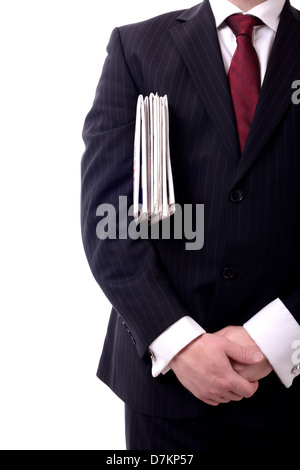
(244, 74)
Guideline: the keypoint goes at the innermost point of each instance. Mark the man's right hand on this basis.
(204, 368)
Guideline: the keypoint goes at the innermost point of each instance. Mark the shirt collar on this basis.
(268, 12)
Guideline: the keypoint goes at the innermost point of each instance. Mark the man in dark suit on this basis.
(202, 345)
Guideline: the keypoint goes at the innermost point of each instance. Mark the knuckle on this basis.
(243, 354)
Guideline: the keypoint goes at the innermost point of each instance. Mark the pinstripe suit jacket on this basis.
(153, 283)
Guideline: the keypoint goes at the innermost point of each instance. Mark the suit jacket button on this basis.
(229, 273)
(237, 195)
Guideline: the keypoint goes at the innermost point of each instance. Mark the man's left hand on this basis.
(239, 335)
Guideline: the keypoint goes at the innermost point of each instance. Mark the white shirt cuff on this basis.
(171, 342)
(277, 333)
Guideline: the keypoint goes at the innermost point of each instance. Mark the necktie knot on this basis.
(243, 24)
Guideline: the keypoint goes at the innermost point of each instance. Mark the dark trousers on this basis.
(211, 431)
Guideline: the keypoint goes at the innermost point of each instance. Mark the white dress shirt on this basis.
(274, 329)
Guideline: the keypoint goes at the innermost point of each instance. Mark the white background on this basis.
(53, 316)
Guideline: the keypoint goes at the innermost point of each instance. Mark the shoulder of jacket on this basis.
(161, 22)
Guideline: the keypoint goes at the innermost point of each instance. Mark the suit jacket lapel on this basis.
(276, 92)
(197, 41)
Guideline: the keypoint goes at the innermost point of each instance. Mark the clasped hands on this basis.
(221, 367)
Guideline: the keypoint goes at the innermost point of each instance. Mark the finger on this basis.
(226, 397)
(237, 366)
(234, 396)
(244, 355)
(210, 402)
(221, 392)
(222, 400)
(242, 387)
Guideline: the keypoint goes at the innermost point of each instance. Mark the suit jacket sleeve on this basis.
(129, 271)
(292, 303)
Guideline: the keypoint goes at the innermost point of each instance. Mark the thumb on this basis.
(244, 354)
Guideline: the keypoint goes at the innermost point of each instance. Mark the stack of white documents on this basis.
(153, 188)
